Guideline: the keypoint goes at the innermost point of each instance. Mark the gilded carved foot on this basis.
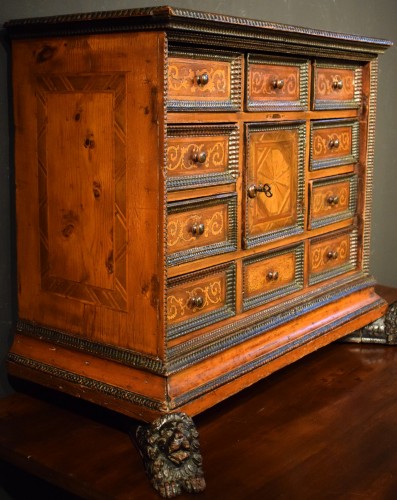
(381, 331)
(171, 452)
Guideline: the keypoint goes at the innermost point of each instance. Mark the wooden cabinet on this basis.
(193, 202)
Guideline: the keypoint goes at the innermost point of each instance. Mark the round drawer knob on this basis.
(200, 157)
(202, 79)
(272, 276)
(198, 229)
(337, 84)
(333, 200)
(278, 84)
(332, 255)
(196, 301)
(333, 144)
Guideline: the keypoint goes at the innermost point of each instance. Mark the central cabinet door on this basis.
(274, 181)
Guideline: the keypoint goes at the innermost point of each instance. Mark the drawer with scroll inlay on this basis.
(276, 84)
(333, 143)
(272, 275)
(332, 200)
(332, 255)
(201, 155)
(201, 228)
(336, 86)
(204, 81)
(200, 298)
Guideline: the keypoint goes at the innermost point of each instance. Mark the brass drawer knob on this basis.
(332, 255)
(260, 188)
(334, 144)
(199, 157)
(278, 84)
(202, 79)
(272, 276)
(196, 302)
(337, 84)
(333, 200)
(198, 229)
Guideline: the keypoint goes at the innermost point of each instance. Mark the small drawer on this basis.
(333, 143)
(199, 299)
(330, 256)
(201, 228)
(332, 200)
(201, 155)
(204, 81)
(336, 86)
(277, 84)
(272, 275)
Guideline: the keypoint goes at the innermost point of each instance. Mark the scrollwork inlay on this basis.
(180, 230)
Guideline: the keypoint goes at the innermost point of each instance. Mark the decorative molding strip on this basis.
(123, 356)
(269, 357)
(184, 19)
(89, 383)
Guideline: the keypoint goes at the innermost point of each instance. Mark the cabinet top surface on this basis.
(166, 17)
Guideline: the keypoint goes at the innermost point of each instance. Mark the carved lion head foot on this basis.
(171, 453)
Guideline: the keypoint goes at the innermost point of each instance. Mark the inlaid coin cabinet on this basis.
(193, 201)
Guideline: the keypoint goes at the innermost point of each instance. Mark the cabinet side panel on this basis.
(89, 157)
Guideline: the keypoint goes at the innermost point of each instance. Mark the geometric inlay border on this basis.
(115, 298)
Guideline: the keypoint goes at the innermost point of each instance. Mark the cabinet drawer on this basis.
(333, 143)
(337, 86)
(199, 299)
(276, 84)
(332, 200)
(210, 81)
(201, 155)
(200, 228)
(332, 255)
(272, 275)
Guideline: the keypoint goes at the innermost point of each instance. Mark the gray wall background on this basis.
(376, 18)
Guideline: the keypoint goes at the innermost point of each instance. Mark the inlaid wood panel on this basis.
(199, 155)
(272, 275)
(274, 182)
(337, 86)
(200, 299)
(276, 84)
(206, 80)
(333, 143)
(82, 201)
(332, 255)
(332, 200)
(203, 227)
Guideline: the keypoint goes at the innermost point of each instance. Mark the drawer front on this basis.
(201, 155)
(332, 200)
(333, 143)
(210, 81)
(276, 84)
(274, 182)
(337, 86)
(332, 255)
(200, 299)
(201, 228)
(269, 276)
